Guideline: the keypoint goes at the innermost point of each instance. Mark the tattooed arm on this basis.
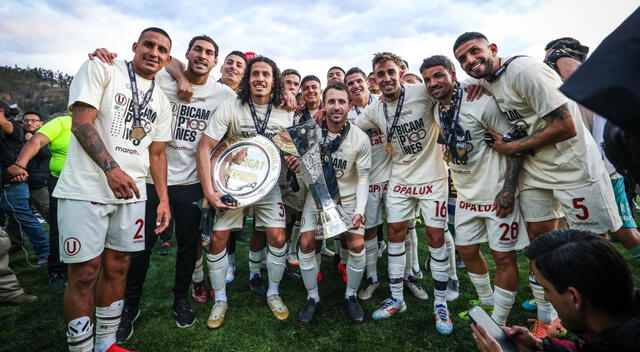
(84, 116)
(560, 127)
(505, 199)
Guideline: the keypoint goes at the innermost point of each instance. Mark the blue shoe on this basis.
(530, 305)
(390, 306)
(444, 325)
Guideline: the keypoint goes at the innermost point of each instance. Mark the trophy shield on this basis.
(331, 217)
(245, 168)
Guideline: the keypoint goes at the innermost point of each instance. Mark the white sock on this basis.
(408, 264)
(439, 272)
(198, 271)
(255, 258)
(80, 335)
(276, 262)
(503, 301)
(218, 265)
(107, 321)
(415, 261)
(295, 235)
(371, 248)
(318, 260)
(482, 283)
(546, 312)
(397, 262)
(451, 248)
(309, 273)
(355, 269)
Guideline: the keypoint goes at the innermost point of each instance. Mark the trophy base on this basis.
(334, 221)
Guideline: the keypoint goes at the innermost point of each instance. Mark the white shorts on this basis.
(268, 212)
(478, 223)
(86, 228)
(591, 207)
(310, 221)
(374, 211)
(431, 199)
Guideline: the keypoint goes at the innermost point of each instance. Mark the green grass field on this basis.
(249, 325)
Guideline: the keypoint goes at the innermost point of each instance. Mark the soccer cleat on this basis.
(57, 279)
(125, 329)
(460, 263)
(369, 288)
(453, 290)
(354, 310)
(427, 264)
(165, 248)
(475, 302)
(444, 325)
(343, 269)
(541, 329)
(216, 318)
(199, 292)
(185, 317)
(308, 312)
(292, 259)
(327, 252)
(319, 277)
(256, 286)
(390, 306)
(530, 305)
(231, 274)
(277, 307)
(19, 300)
(288, 272)
(382, 246)
(414, 286)
(116, 348)
(417, 274)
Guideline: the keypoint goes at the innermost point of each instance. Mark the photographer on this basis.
(595, 298)
(14, 197)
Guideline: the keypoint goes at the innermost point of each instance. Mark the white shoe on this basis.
(414, 286)
(390, 306)
(277, 307)
(292, 258)
(216, 318)
(369, 288)
(444, 325)
(453, 290)
(327, 252)
(231, 274)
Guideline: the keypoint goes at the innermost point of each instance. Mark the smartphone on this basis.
(480, 317)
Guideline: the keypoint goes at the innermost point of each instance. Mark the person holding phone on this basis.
(594, 298)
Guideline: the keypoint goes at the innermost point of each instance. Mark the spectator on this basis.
(594, 297)
(11, 294)
(38, 167)
(14, 199)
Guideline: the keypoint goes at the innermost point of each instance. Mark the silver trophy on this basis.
(306, 138)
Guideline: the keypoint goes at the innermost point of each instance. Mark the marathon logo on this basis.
(585, 223)
(410, 136)
(478, 208)
(189, 121)
(413, 190)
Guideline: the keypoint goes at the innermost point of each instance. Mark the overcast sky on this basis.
(310, 36)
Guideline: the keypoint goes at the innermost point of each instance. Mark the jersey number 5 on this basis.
(577, 205)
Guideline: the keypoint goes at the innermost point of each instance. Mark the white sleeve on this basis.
(88, 84)
(363, 164)
(366, 120)
(220, 120)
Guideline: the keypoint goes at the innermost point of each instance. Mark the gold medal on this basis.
(137, 133)
(389, 148)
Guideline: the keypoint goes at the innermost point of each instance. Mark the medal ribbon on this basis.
(453, 135)
(326, 149)
(137, 108)
(358, 109)
(494, 77)
(260, 128)
(396, 117)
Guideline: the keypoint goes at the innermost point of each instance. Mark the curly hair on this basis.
(277, 88)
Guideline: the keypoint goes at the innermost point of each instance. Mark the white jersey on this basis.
(352, 162)
(380, 161)
(417, 158)
(188, 122)
(481, 176)
(107, 88)
(528, 91)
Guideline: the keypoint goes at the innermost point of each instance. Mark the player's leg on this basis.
(308, 264)
(355, 270)
(371, 252)
(453, 285)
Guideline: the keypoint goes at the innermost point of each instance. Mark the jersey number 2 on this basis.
(138, 234)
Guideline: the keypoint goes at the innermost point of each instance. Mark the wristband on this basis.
(20, 166)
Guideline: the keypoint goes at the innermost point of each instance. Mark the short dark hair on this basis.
(370, 73)
(291, 71)
(414, 75)
(587, 262)
(206, 38)
(308, 78)
(337, 86)
(334, 67)
(276, 91)
(156, 30)
(237, 53)
(355, 70)
(383, 57)
(467, 36)
(406, 63)
(437, 60)
(33, 113)
(581, 51)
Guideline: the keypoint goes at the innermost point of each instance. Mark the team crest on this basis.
(71, 246)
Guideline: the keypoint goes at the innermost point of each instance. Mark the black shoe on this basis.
(125, 329)
(185, 317)
(242, 238)
(356, 314)
(288, 272)
(56, 279)
(165, 248)
(308, 312)
(257, 287)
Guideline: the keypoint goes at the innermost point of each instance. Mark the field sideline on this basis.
(249, 325)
